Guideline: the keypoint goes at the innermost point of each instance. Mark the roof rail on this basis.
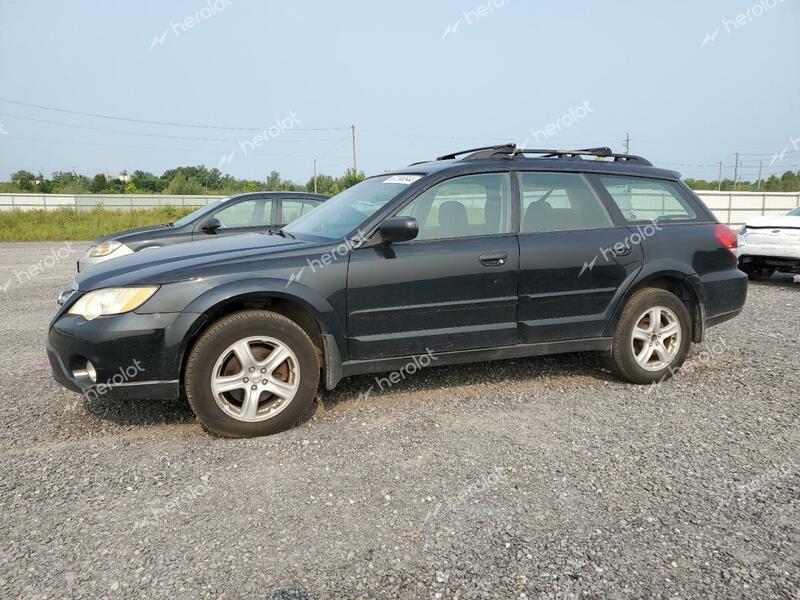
(474, 151)
(511, 151)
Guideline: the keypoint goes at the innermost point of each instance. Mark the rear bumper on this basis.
(135, 356)
(725, 294)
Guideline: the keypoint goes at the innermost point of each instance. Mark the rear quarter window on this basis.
(640, 199)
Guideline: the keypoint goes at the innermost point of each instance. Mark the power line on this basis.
(157, 135)
(168, 123)
(163, 148)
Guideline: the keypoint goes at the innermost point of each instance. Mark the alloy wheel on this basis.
(255, 378)
(656, 338)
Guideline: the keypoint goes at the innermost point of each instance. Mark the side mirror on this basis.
(398, 229)
(211, 225)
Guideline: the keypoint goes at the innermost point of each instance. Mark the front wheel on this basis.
(251, 373)
(652, 337)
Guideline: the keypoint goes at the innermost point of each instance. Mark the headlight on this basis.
(105, 248)
(743, 230)
(111, 301)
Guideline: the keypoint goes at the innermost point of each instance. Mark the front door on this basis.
(574, 260)
(452, 288)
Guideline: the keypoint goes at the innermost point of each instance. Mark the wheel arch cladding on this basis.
(682, 282)
(301, 305)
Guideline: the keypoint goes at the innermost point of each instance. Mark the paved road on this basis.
(530, 478)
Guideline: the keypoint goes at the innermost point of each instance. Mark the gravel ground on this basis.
(535, 478)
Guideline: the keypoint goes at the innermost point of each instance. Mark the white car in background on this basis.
(769, 244)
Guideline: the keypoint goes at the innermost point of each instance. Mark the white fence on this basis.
(733, 208)
(90, 201)
(736, 208)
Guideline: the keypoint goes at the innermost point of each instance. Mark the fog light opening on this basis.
(84, 372)
(91, 372)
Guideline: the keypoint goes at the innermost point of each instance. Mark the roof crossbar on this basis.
(511, 151)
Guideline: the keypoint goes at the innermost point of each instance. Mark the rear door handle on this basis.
(620, 249)
(493, 259)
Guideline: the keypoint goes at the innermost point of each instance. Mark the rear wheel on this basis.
(251, 373)
(652, 337)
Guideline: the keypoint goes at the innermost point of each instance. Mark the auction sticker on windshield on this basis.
(404, 179)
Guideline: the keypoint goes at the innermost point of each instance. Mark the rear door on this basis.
(574, 259)
(452, 288)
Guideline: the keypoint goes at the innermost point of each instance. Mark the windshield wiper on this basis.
(283, 233)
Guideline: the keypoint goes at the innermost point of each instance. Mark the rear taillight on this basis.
(726, 237)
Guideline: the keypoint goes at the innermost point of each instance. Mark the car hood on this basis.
(182, 262)
(780, 222)
(128, 234)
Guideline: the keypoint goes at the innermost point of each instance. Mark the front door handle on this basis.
(493, 259)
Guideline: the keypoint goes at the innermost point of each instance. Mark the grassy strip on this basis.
(70, 224)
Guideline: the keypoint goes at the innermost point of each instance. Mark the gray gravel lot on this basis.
(530, 478)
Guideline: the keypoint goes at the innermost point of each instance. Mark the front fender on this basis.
(312, 301)
(198, 298)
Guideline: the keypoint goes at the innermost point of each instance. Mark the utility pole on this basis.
(315, 175)
(736, 172)
(355, 165)
(719, 181)
(760, 166)
(627, 143)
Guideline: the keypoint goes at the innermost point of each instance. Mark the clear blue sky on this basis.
(413, 89)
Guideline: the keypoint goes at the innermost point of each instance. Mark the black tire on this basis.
(621, 360)
(214, 342)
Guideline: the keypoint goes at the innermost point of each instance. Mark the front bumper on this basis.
(136, 356)
(778, 251)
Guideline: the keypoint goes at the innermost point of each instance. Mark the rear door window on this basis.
(649, 199)
(560, 202)
(293, 208)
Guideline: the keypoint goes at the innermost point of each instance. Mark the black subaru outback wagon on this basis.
(503, 253)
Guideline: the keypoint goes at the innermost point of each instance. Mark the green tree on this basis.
(98, 184)
(147, 182)
(182, 185)
(24, 180)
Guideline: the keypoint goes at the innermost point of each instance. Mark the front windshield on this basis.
(343, 213)
(194, 215)
(794, 213)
